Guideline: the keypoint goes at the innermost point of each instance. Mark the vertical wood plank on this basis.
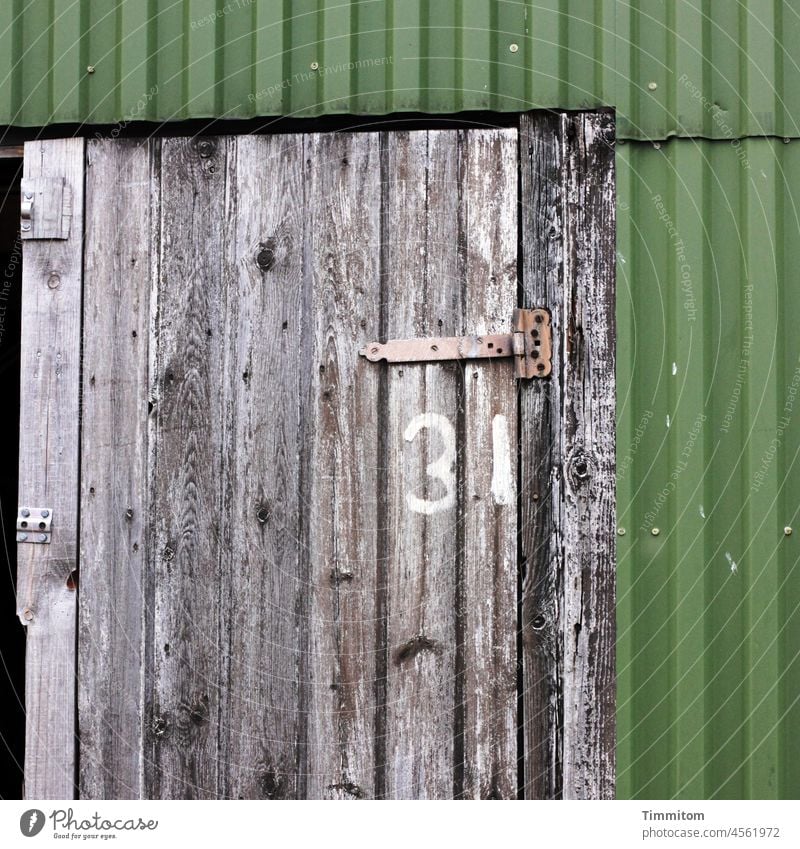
(540, 483)
(423, 296)
(487, 606)
(568, 542)
(343, 250)
(261, 557)
(48, 476)
(114, 456)
(185, 670)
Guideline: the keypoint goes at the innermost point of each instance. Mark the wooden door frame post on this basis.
(567, 472)
(48, 465)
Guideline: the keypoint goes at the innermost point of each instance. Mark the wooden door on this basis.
(306, 575)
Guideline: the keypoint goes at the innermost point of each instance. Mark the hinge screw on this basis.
(23, 537)
(45, 513)
(27, 614)
(25, 512)
(42, 537)
(26, 225)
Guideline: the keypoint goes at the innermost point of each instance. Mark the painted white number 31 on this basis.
(443, 468)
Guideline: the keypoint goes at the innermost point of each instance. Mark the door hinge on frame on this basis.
(530, 345)
(33, 524)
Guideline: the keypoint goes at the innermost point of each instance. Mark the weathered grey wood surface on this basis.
(567, 458)
(262, 562)
(48, 463)
(114, 468)
(323, 601)
(187, 619)
(487, 605)
(344, 249)
(424, 297)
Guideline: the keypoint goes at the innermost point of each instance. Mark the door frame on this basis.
(566, 536)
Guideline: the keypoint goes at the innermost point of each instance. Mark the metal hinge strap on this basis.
(529, 343)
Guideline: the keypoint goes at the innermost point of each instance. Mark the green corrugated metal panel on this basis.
(708, 453)
(170, 59)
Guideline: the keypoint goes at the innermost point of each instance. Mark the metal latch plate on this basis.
(33, 524)
(46, 208)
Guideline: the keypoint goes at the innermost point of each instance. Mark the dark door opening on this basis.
(12, 634)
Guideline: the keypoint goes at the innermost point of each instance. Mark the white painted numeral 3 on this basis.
(443, 468)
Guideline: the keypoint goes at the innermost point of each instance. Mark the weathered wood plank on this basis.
(343, 258)
(114, 456)
(185, 671)
(261, 557)
(567, 460)
(540, 479)
(48, 477)
(487, 606)
(423, 298)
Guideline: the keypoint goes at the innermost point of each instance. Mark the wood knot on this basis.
(205, 147)
(265, 256)
(347, 787)
(198, 712)
(160, 726)
(580, 468)
(272, 785)
(411, 648)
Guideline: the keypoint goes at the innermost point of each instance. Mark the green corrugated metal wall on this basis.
(707, 447)
(163, 60)
(709, 248)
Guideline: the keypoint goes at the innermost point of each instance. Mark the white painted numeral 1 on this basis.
(443, 468)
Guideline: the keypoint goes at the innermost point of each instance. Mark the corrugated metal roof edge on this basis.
(11, 133)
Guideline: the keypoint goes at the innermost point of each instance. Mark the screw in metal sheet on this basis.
(25, 512)
(513, 47)
(655, 532)
(620, 532)
(652, 85)
(315, 66)
(787, 531)
(45, 513)
(90, 69)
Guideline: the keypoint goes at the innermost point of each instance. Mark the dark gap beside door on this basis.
(12, 641)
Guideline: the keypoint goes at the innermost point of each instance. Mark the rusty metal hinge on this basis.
(529, 343)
